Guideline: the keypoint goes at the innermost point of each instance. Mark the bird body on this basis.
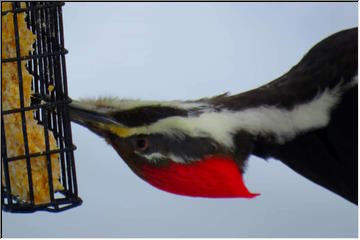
(306, 118)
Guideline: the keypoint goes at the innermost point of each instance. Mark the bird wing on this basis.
(326, 155)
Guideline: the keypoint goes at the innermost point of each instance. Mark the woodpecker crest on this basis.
(200, 147)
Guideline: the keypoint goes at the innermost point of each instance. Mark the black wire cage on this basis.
(48, 106)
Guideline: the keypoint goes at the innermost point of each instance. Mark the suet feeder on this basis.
(38, 168)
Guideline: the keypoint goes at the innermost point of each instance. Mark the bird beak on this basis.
(89, 116)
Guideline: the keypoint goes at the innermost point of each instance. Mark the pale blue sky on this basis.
(185, 51)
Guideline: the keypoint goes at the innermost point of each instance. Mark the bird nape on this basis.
(306, 118)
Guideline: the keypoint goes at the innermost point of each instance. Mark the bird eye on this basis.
(213, 147)
(142, 144)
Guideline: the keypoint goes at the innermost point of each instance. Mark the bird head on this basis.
(182, 147)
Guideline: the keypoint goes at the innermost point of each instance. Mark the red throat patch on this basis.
(214, 176)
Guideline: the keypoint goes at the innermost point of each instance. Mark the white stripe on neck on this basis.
(283, 124)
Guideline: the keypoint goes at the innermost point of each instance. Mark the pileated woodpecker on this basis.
(306, 118)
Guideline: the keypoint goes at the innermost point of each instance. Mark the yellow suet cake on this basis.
(12, 122)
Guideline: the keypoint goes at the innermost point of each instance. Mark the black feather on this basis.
(141, 116)
(326, 156)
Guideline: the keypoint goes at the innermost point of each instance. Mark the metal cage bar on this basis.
(47, 66)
